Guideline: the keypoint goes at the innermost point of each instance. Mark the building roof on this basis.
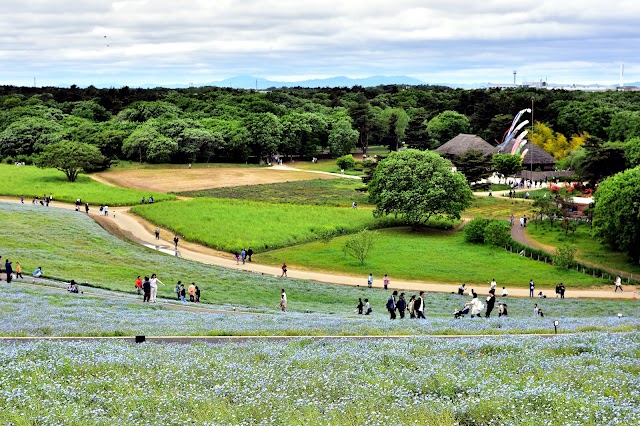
(464, 143)
(534, 155)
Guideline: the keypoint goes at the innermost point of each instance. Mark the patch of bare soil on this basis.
(178, 180)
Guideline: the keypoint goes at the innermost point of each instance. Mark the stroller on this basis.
(462, 312)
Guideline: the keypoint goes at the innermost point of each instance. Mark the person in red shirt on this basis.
(139, 284)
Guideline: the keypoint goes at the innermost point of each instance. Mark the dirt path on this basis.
(121, 221)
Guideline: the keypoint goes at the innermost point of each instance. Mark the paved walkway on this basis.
(123, 223)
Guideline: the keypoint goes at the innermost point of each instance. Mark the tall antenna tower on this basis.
(514, 76)
(622, 75)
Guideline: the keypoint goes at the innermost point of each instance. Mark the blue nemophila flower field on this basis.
(587, 379)
(48, 312)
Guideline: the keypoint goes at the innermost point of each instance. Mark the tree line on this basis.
(221, 124)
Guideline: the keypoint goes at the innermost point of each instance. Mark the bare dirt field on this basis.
(178, 180)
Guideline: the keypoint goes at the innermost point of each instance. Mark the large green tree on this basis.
(445, 126)
(70, 158)
(474, 165)
(342, 138)
(617, 212)
(417, 185)
(507, 164)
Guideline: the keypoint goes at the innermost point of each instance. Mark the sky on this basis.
(138, 42)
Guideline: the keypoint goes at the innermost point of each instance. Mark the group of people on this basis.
(148, 287)
(11, 273)
(245, 255)
(78, 203)
(44, 201)
(415, 306)
(149, 200)
(475, 306)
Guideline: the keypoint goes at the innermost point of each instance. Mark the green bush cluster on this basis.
(346, 162)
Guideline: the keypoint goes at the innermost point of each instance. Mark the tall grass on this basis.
(29, 181)
(230, 225)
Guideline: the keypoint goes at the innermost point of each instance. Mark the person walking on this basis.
(8, 269)
(360, 306)
(243, 255)
(562, 289)
(250, 253)
(146, 287)
(618, 283)
(19, 271)
(197, 294)
(175, 242)
(418, 306)
(385, 281)
(370, 281)
(391, 304)
(411, 306)
(192, 292)
(157, 234)
(401, 305)
(491, 301)
(183, 293)
(283, 301)
(138, 285)
(367, 307)
(106, 210)
(86, 208)
(237, 255)
(284, 270)
(532, 287)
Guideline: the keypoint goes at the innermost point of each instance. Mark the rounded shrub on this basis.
(474, 230)
(346, 162)
(497, 233)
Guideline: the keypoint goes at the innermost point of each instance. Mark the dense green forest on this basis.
(217, 124)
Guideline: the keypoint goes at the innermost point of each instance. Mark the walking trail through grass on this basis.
(122, 223)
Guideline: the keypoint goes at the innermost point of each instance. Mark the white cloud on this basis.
(133, 42)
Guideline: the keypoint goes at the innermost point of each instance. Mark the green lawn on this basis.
(230, 225)
(590, 249)
(438, 256)
(324, 192)
(29, 181)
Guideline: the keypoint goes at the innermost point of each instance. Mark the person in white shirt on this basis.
(493, 284)
(154, 288)
(283, 301)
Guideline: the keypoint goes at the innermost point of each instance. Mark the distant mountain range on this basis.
(251, 82)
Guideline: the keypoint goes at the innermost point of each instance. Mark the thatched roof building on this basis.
(464, 143)
(534, 158)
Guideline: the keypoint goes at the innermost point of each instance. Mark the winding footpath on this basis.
(122, 223)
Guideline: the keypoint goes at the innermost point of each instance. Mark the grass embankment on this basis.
(569, 380)
(233, 224)
(321, 192)
(72, 246)
(29, 181)
(438, 256)
(590, 249)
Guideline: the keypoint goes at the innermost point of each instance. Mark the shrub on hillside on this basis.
(497, 233)
(565, 256)
(346, 162)
(474, 230)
